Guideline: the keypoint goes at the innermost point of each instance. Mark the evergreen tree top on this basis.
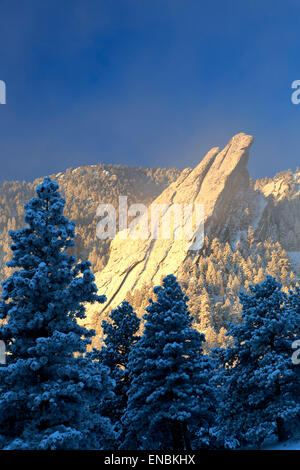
(120, 335)
(48, 231)
(170, 302)
(48, 290)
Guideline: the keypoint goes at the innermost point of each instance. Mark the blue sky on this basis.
(146, 82)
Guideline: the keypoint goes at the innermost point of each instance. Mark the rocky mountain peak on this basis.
(216, 183)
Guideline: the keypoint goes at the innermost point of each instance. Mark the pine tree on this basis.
(48, 387)
(294, 302)
(119, 337)
(205, 311)
(170, 392)
(257, 376)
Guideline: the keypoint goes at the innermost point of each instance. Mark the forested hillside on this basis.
(213, 279)
(83, 188)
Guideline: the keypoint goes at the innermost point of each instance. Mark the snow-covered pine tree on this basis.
(119, 337)
(257, 376)
(169, 392)
(294, 303)
(47, 387)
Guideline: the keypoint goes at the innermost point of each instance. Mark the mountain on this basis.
(215, 183)
(83, 188)
(251, 228)
(235, 210)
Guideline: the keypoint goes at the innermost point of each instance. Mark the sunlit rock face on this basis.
(220, 183)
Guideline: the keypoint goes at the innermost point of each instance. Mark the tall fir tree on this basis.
(257, 377)
(119, 336)
(170, 391)
(48, 387)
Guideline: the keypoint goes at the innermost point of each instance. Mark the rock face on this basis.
(232, 203)
(221, 184)
(281, 220)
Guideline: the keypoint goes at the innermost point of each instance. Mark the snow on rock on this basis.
(217, 183)
(280, 186)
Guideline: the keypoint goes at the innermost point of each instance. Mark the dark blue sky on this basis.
(146, 82)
